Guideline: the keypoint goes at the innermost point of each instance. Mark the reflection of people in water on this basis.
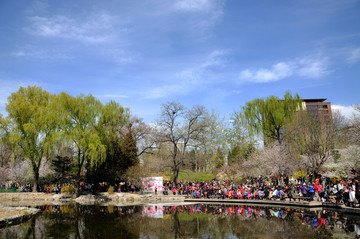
(316, 219)
(178, 219)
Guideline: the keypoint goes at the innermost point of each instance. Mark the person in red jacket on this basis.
(316, 194)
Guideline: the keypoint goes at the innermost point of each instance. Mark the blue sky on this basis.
(217, 53)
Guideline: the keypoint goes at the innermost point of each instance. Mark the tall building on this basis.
(319, 110)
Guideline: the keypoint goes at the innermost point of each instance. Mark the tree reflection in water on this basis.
(185, 221)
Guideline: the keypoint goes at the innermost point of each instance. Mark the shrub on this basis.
(111, 189)
(68, 189)
(239, 180)
(188, 176)
(300, 174)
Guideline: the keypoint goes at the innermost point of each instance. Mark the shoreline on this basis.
(18, 207)
(16, 215)
(38, 199)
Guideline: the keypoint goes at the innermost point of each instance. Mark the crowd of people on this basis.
(61, 187)
(345, 191)
(45, 188)
(324, 189)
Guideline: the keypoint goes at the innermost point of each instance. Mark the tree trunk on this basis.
(175, 176)
(36, 181)
(77, 184)
(36, 175)
(278, 136)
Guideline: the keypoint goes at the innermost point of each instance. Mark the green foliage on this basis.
(68, 189)
(120, 156)
(240, 153)
(267, 117)
(239, 180)
(129, 149)
(188, 176)
(38, 123)
(80, 118)
(300, 174)
(111, 189)
(31, 125)
(219, 158)
(112, 120)
(62, 166)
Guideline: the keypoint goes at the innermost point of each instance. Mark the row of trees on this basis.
(40, 127)
(267, 136)
(82, 138)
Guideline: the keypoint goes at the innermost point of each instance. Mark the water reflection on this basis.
(185, 221)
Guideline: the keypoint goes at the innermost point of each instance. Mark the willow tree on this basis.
(112, 125)
(80, 118)
(31, 125)
(267, 117)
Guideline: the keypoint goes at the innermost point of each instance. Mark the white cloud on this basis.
(278, 72)
(347, 111)
(312, 68)
(189, 79)
(96, 28)
(203, 13)
(354, 55)
(215, 58)
(180, 87)
(32, 53)
(196, 5)
(99, 29)
(305, 67)
(35, 52)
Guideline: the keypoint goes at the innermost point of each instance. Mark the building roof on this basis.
(314, 100)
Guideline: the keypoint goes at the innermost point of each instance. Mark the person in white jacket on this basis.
(352, 198)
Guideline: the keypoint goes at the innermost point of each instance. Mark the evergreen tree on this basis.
(130, 150)
(62, 166)
(120, 156)
(111, 169)
(219, 160)
(240, 153)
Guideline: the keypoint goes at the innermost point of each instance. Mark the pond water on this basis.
(184, 221)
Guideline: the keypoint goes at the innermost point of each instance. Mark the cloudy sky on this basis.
(217, 53)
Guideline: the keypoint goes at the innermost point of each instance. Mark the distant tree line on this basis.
(73, 138)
